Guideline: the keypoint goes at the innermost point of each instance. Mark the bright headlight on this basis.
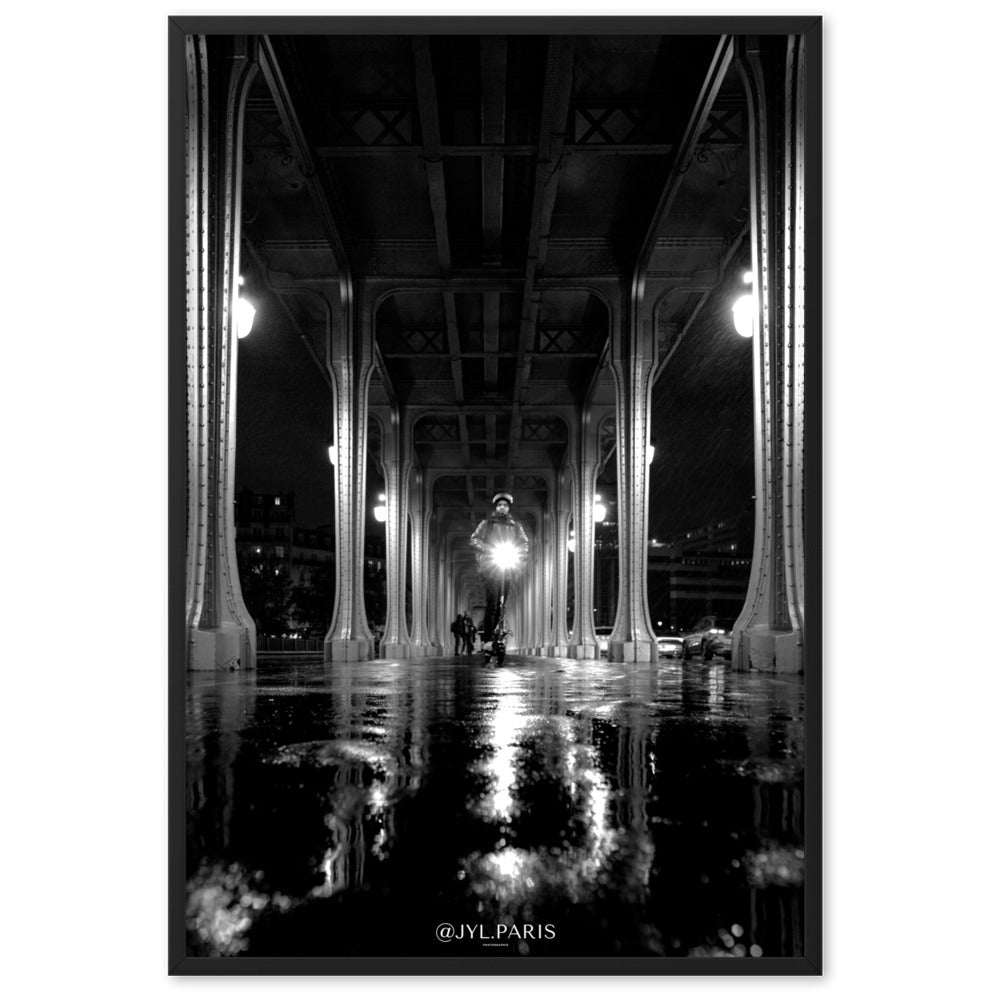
(505, 555)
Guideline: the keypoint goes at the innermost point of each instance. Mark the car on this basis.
(706, 637)
(669, 645)
(603, 635)
(718, 644)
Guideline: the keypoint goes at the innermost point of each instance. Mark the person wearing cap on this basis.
(500, 526)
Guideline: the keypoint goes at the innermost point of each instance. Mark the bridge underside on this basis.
(493, 247)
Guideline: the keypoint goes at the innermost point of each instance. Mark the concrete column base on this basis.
(556, 651)
(419, 650)
(346, 650)
(583, 651)
(395, 650)
(642, 651)
(766, 649)
(225, 648)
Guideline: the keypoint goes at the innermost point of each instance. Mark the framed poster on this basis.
(495, 407)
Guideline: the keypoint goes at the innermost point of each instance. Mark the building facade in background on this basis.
(266, 532)
(702, 571)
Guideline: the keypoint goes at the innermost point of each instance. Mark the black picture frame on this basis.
(179, 963)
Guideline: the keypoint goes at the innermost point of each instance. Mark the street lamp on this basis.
(245, 313)
(380, 509)
(744, 309)
(600, 511)
(571, 543)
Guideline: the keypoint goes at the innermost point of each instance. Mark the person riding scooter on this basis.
(501, 548)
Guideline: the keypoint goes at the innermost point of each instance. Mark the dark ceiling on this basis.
(490, 182)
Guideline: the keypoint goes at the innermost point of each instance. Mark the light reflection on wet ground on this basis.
(633, 809)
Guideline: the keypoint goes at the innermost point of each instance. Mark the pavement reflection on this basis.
(553, 807)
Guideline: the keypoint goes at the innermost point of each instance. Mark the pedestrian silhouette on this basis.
(458, 631)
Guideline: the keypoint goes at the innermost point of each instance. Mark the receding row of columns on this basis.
(220, 633)
(538, 611)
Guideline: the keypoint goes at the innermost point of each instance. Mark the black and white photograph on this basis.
(495, 479)
(499, 499)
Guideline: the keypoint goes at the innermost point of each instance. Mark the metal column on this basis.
(350, 363)
(769, 632)
(632, 639)
(396, 639)
(420, 515)
(583, 441)
(560, 567)
(220, 69)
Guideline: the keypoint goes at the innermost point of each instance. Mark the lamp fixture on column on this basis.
(650, 451)
(600, 511)
(744, 309)
(245, 313)
(332, 451)
(571, 542)
(380, 509)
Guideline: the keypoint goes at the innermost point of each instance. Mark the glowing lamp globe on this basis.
(244, 318)
(743, 315)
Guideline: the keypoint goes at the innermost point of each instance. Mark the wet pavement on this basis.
(551, 807)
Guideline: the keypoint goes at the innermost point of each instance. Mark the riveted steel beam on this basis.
(493, 63)
(555, 108)
(431, 130)
(281, 95)
(501, 149)
(434, 166)
(685, 151)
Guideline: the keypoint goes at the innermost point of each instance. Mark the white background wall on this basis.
(911, 502)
